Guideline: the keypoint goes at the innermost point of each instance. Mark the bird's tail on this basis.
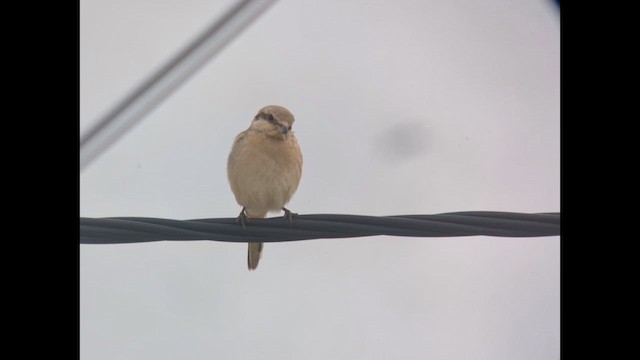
(255, 249)
(255, 253)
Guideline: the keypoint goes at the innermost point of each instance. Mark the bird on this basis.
(264, 169)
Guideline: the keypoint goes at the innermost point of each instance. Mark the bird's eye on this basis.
(289, 127)
(271, 118)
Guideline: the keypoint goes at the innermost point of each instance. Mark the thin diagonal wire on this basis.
(162, 83)
(119, 230)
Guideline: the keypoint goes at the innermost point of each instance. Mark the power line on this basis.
(118, 230)
(162, 83)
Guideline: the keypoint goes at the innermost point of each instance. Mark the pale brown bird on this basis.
(264, 169)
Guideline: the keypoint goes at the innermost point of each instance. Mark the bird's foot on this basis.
(242, 218)
(288, 215)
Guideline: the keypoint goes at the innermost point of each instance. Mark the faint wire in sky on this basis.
(161, 84)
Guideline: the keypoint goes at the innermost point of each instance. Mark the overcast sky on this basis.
(402, 107)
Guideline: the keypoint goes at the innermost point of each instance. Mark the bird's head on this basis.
(274, 120)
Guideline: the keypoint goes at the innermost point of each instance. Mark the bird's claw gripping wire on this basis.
(242, 218)
(288, 215)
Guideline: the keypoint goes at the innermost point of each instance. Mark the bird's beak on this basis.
(283, 129)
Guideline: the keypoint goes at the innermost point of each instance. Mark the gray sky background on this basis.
(402, 107)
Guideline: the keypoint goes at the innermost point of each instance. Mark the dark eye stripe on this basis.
(265, 116)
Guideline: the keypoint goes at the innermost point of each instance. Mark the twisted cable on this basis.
(118, 230)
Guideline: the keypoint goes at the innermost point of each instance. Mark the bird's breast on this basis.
(264, 173)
